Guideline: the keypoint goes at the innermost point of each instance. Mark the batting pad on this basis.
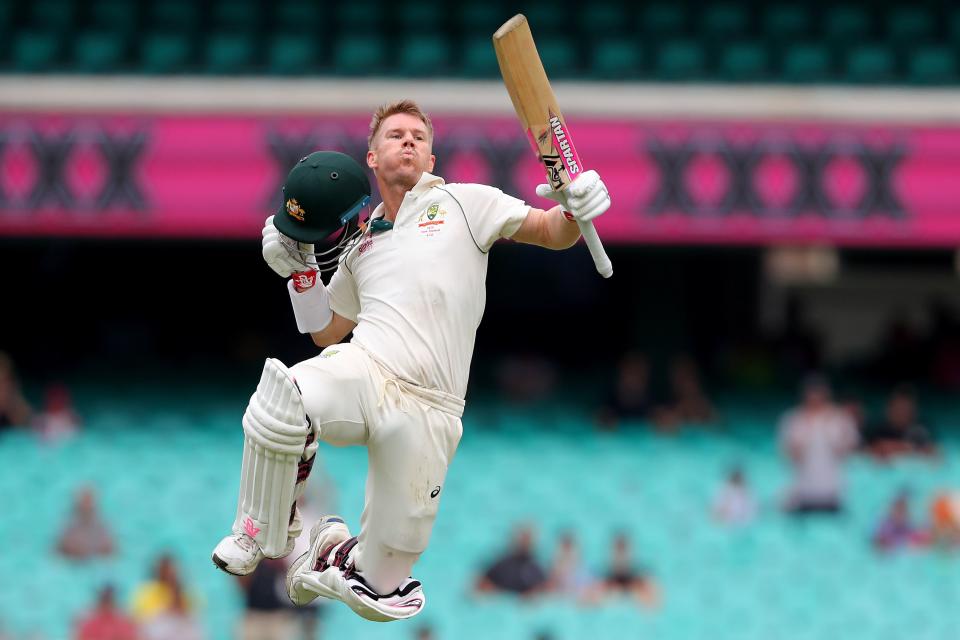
(275, 431)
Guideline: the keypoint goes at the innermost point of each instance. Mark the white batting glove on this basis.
(281, 259)
(585, 198)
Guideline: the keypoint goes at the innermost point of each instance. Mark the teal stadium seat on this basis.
(745, 61)
(35, 51)
(807, 62)
(544, 19)
(117, 15)
(603, 19)
(681, 59)
(99, 51)
(421, 16)
(359, 19)
(932, 65)
(166, 53)
(869, 64)
(293, 53)
(296, 16)
(910, 25)
(785, 23)
(560, 57)
(478, 59)
(228, 52)
(424, 55)
(660, 20)
(175, 15)
(722, 22)
(235, 15)
(58, 16)
(477, 18)
(616, 59)
(7, 17)
(359, 55)
(846, 24)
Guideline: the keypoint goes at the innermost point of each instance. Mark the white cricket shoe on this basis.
(239, 554)
(328, 532)
(327, 569)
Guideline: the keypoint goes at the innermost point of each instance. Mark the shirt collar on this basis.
(426, 182)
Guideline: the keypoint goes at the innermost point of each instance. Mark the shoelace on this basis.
(245, 542)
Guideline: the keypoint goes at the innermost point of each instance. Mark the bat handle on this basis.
(604, 266)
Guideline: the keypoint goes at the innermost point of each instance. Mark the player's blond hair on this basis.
(403, 106)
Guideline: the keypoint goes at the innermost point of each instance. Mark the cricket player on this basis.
(410, 285)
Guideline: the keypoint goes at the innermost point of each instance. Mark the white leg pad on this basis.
(275, 428)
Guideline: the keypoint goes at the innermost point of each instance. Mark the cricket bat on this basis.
(540, 116)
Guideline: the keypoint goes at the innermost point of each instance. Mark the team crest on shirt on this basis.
(430, 221)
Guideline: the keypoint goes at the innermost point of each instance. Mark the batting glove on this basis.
(585, 198)
(285, 262)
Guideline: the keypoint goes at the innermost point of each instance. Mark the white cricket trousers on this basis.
(411, 434)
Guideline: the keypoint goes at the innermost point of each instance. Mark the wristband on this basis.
(303, 280)
(311, 308)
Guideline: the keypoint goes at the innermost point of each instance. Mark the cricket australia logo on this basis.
(430, 220)
(295, 210)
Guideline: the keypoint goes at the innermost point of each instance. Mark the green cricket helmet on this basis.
(323, 196)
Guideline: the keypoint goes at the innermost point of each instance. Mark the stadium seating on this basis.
(888, 42)
(778, 578)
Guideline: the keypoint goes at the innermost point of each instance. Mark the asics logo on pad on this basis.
(435, 492)
(249, 528)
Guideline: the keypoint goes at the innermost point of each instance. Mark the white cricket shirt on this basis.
(417, 291)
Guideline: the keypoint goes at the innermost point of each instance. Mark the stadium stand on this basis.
(727, 41)
(655, 488)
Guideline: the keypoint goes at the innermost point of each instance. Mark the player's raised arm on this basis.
(556, 228)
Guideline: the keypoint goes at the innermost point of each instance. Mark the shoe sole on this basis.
(221, 564)
(315, 532)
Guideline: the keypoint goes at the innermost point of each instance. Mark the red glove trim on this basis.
(303, 280)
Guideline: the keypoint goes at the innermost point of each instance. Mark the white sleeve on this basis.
(344, 299)
(491, 214)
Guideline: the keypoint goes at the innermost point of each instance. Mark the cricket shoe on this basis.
(240, 554)
(327, 570)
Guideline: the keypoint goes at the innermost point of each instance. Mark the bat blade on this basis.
(540, 116)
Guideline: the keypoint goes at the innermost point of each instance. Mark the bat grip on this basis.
(604, 266)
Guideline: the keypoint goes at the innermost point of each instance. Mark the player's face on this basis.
(401, 151)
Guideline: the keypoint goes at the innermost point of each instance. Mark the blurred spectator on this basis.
(157, 594)
(945, 520)
(567, 574)
(58, 420)
(734, 503)
(688, 401)
(105, 621)
(526, 379)
(901, 351)
(85, 535)
(630, 398)
(268, 614)
(895, 530)
(900, 432)
(15, 411)
(797, 346)
(943, 346)
(517, 570)
(176, 622)
(624, 578)
(817, 437)
(425, 633)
